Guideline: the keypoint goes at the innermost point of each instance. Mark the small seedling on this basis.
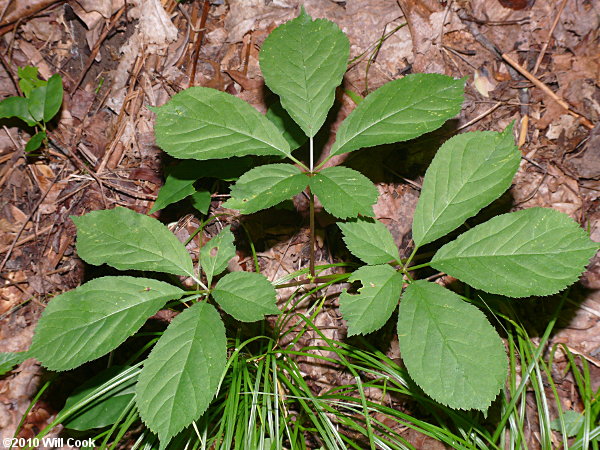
(41, 102)
(447, 344)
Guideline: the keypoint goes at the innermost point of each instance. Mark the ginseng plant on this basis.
(448, 345)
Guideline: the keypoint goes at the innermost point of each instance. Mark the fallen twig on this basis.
(545, 46)
(28, 218)
(585, 122)
(96, 48)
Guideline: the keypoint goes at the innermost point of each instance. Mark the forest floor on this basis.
(533, 62)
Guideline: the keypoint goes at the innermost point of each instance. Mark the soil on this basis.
(536, 63)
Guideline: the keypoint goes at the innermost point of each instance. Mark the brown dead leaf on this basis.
(246, 83)
(586, 164)
(21, 9)
(43, 28)
(425, 22)
(35, 58)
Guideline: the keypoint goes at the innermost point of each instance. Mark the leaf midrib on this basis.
(398, 111)
(459, 191)
(231, 128)
(127, 244)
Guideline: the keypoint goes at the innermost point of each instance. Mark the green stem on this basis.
(298, 162)
(324, 279)
(410, 258)
(311, 263)
(420, 266)
(311, 154)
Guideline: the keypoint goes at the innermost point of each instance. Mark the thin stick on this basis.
(10, 74)
(28, 218)
(547, 42)
(198, 42)
(26, 239)
(585, 122)
(480, 116)
(96, 48)
(79, 163)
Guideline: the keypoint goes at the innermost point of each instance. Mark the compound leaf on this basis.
(400, 110)
(105, 409)
(125, 240)
(370, 241)
(344, 192)
(370, 309)
(9, 360)
(449, 348)
(468, 172)
(266, 186)
(16, 107)
(535, 251)
(216, 253)
(303, 61)
(182, 373)
(247, 296)
(95, 318)
(203, 123)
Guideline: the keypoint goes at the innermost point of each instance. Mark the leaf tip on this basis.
(303, 13)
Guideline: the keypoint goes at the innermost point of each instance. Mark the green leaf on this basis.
(37, 102)
(54, 97)
(90, 321)
(125, 240)
(449, 348)
(105, 409)
(375, 302)
(344, 192)
(172, 191)
(45, 101)
(203, 123)
(290, 130)
(28, 79)
(468, 172)
(247, 296)
(181, 178)
(400, 110)
(9, 360)
(265, 186)
(35, 142)
(303, 61)
(573, 422)
(201, 201)
(16, 107)
(182, 373)
(216, 253)
(535, 251)
(370, 241)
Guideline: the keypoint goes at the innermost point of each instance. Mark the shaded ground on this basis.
(538, 66)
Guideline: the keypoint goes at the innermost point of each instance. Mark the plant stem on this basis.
(323, 279)
(311, 264)
(312, 154)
